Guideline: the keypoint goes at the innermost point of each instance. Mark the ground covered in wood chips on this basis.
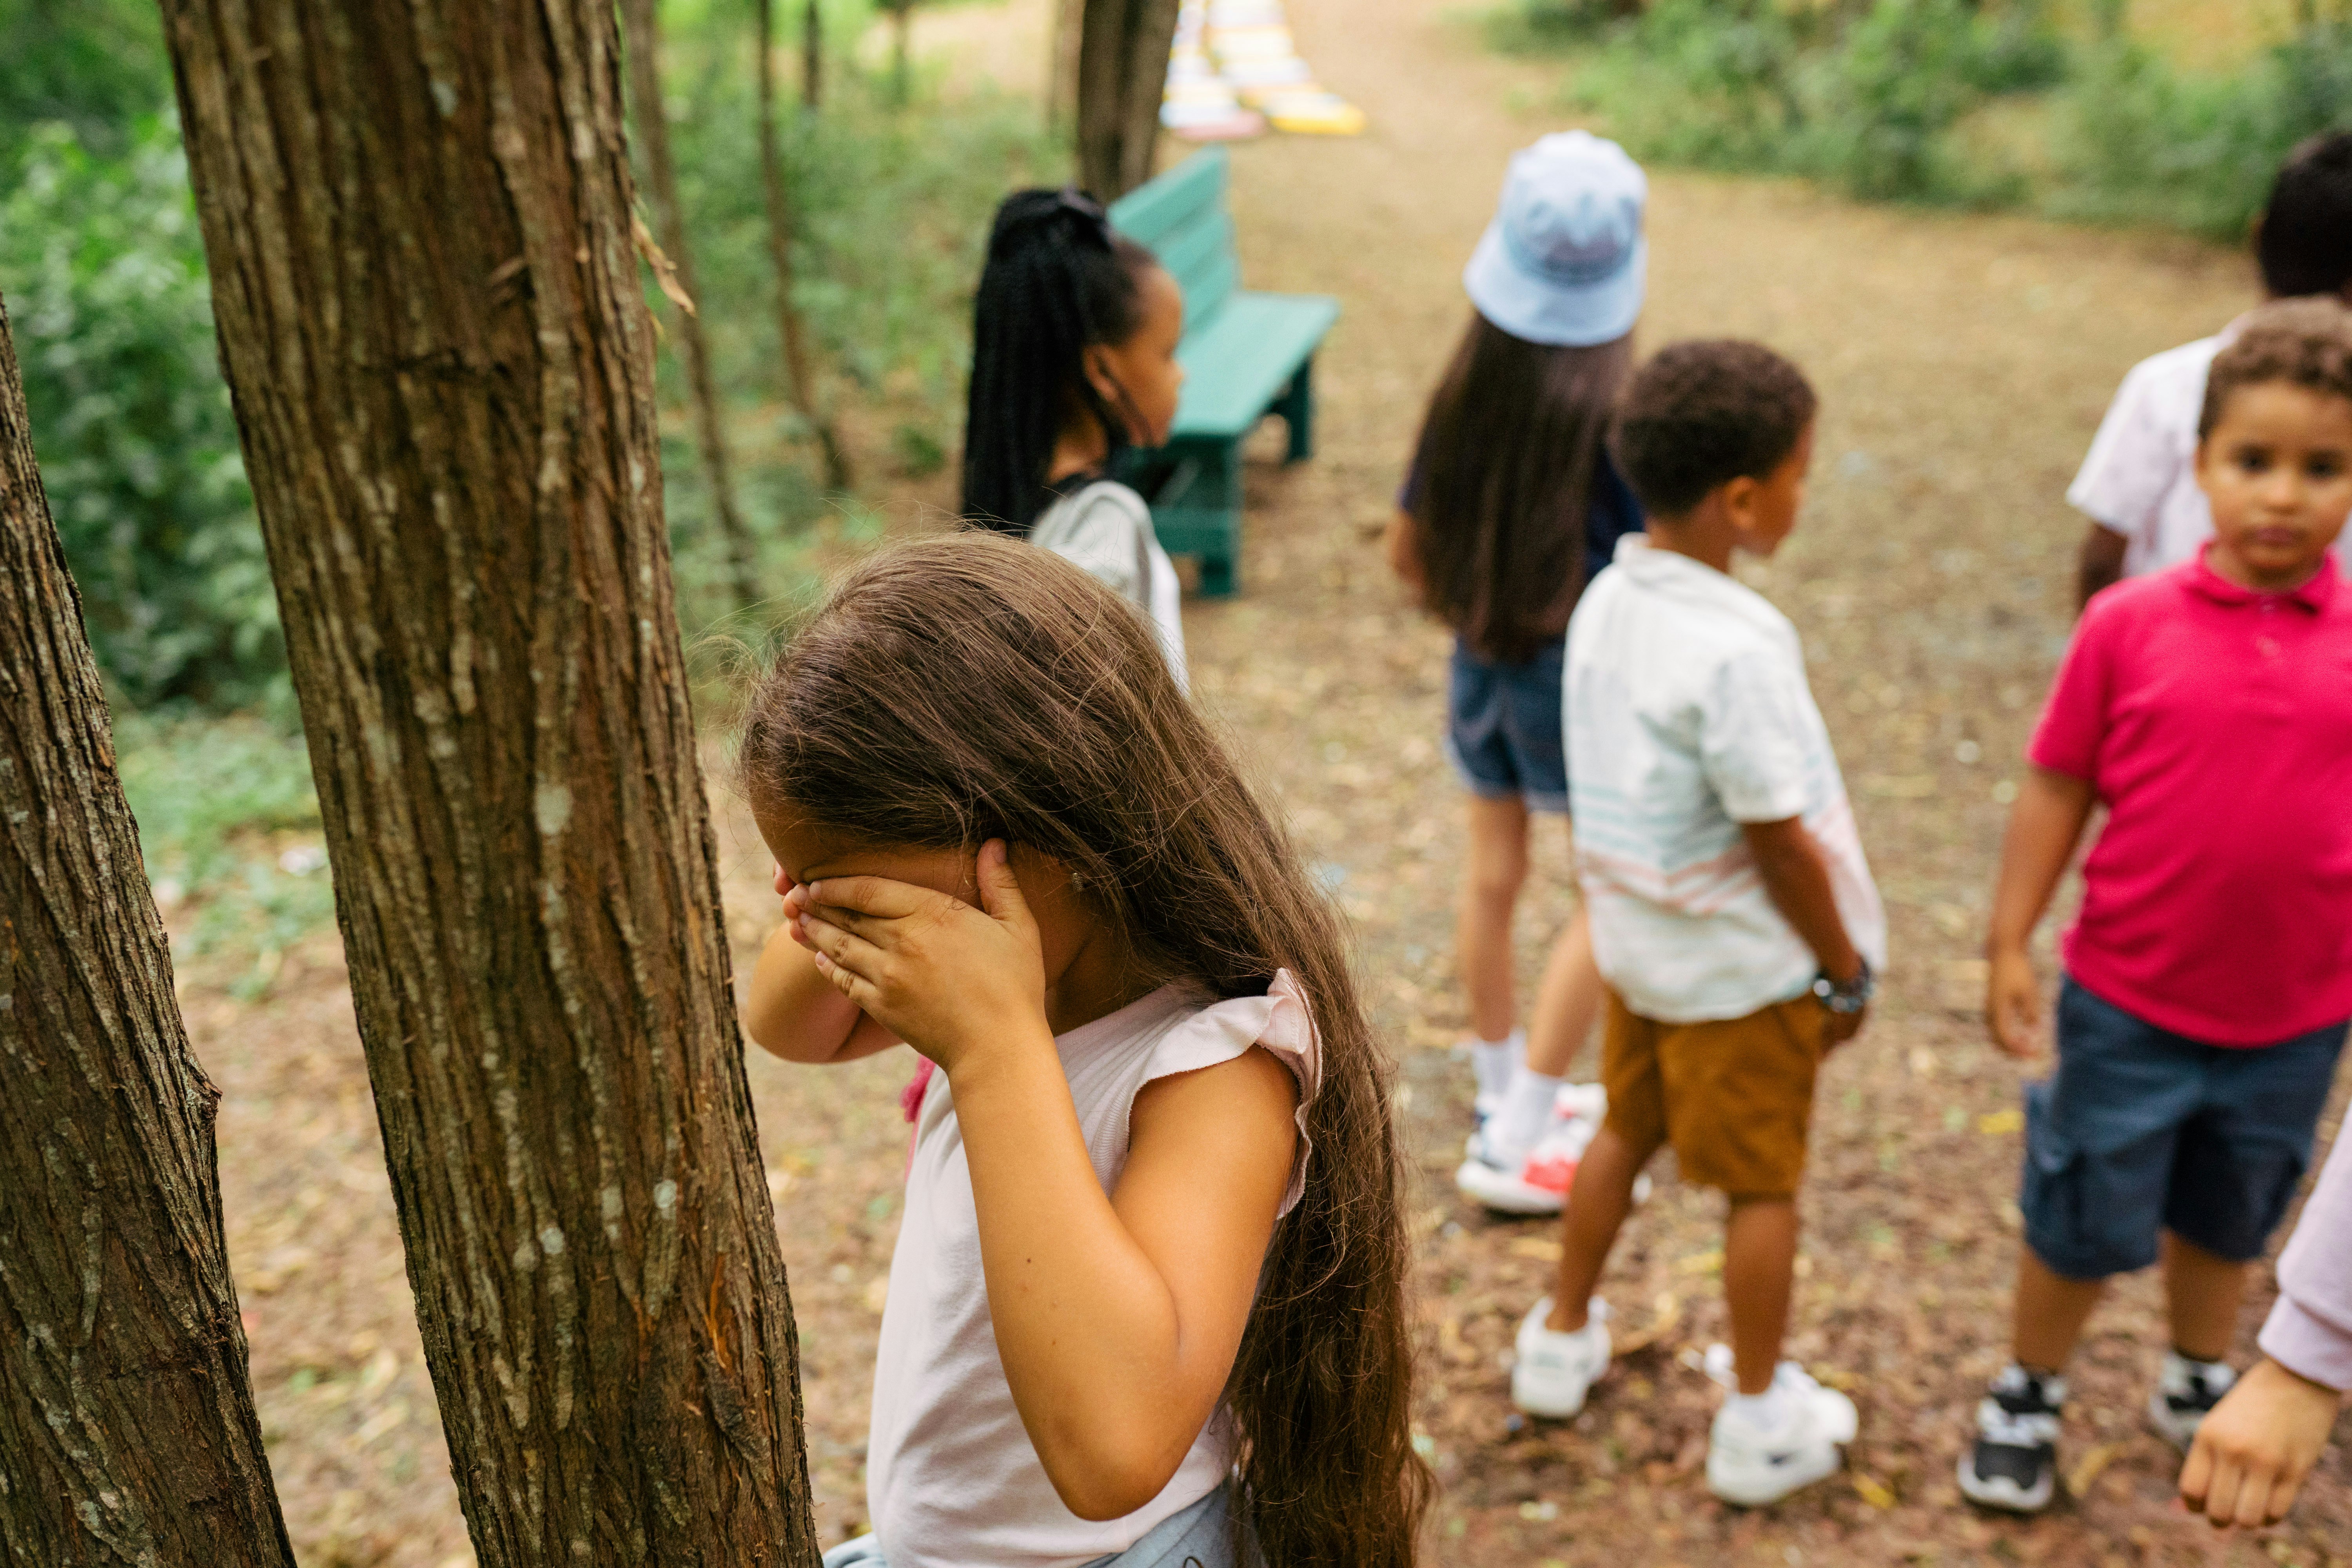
(1963, 364)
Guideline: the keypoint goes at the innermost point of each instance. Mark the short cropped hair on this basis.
(2305, 246)
(2302, 342)
(1701, 414)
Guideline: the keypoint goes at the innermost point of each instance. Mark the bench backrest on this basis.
(1181, 218)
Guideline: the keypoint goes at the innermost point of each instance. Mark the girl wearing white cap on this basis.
(1512, 505)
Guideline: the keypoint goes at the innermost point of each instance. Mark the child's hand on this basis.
(1842, 1027)
(2013, 1004)
(784, 883)
(2252, 1452)
(945, 978)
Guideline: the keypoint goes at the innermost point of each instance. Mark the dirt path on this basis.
(1963, 363)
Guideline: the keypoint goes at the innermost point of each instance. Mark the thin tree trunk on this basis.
(417, 215)
(902, 52)
(1062, 67)
(127, 1431)
(1123, 51)
(791, 327)
(709, 430)
(812, 56)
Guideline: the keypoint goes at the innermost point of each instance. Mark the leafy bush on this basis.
(2144, 140)
(1870, 97)
(104, 274)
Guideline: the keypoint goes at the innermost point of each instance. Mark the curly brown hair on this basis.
(967, 688)
(1703, 414)
(2302, 343)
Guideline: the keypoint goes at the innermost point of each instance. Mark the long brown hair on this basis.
(966, 688)
(1503, 478)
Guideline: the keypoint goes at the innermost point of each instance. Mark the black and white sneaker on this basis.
(2184, 1391)
(2013, 1464)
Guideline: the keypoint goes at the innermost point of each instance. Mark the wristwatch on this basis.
(1850, 998)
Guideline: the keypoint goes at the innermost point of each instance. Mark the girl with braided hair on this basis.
(1074, 361)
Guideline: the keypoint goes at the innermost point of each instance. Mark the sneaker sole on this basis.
(2002, 1493)
(1549, 1410)
(1489, 1187)
(2179, 1431)
(1785, 1481)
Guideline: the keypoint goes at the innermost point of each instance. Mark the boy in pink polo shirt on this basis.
(2208, 976)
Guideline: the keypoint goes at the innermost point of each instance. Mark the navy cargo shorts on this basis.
(2140, 1131)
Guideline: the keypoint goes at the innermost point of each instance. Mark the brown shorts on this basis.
(1734, 1097)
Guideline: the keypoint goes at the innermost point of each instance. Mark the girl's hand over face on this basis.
(952, 980)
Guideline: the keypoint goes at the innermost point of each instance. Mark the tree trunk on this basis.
(709, 430)
(812, 56)
(1062, 66)
(1123, 50)
(417, 215)
(791, 327)
(902, 52)
(127, 1431)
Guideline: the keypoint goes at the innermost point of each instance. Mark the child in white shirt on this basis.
(1733, 914)
(2138, 482)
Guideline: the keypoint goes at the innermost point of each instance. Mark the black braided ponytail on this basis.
(1057, 279)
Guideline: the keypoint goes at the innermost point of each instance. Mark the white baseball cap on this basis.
(1564, 261)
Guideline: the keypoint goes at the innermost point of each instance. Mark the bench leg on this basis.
(1220, 565)
(1297, 410)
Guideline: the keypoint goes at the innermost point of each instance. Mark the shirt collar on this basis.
(1679, 576)
(2314, 595)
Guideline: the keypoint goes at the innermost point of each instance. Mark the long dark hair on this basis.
(965, 688)
(1502, 480)
(1058, 280)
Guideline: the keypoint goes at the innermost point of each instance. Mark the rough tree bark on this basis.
(1123, 47)
(799, 371)
(127, 1431)
(417, 215)
(709, 430)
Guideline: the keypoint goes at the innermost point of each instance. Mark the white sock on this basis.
(1527, 1107)
(1494, 1061)
(1762, 1411)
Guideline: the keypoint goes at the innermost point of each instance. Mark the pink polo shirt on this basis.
(2216, 724)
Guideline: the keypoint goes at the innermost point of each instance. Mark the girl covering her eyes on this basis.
(1146, 1303)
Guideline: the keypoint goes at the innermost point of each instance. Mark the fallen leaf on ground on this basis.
(1995, 1123)
(1536, 1246)
(1872, 1491)
(2079, 1480)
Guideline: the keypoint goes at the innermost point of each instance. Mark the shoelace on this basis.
(2015, 1429)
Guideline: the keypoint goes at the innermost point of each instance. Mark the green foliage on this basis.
(95, 64)
(229, 825)
(891, 205)
(1874, 97)
(2144, 140)
(104, 274)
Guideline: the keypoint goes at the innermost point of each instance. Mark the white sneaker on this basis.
(1551, 1373)
(1750, 1464)
(1521, 1181)
(2185, 1393)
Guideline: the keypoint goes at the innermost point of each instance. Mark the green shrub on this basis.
(2143, 140)
(104, 274)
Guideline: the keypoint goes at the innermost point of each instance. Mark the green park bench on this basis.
(1245, 355)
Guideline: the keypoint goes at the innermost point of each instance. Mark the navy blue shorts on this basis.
(2140, 1131)
(1502, 727)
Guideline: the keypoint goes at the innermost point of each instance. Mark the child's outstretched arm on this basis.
(1798, 882)
(2043, 829)
(799, 1015)
(1117, 1315)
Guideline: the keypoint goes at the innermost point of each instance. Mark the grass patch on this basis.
(229, 827)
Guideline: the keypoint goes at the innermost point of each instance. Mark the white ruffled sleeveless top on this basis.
(950, 1478)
